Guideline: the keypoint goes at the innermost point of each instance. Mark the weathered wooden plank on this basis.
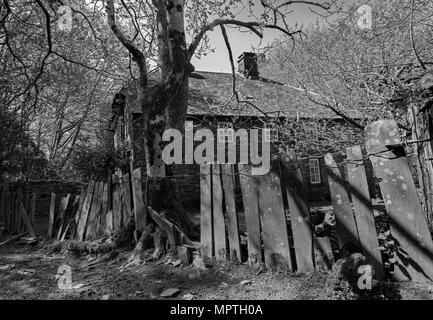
(117, 205)
(109, 227)
(347, 232)
(69, 219)
(79, 211)
(206, 230)
(64, 202)
(299, 212)
(22, 213)
(33, 208)
(52, 216)
(273, 220)
(81, 228)
(407, 220)
(220, 238)
(252, 217)
(95, 208)
(104, 209)
(2, 203)
(363, 209)
(126, 194)
(5, 205)
(228, 181)
(140, 212)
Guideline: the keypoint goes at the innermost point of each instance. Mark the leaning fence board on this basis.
(273, 220)
(71, 216)
(299, 212)
(139, 207)
(252, 218)
(85, 211)
(52, 215)
(228, 181)
(79, 210)
(347, 232)
(206, 230)
(95, 208)
(61, 224)
(363, 209)
(220, 239)
(407, 220)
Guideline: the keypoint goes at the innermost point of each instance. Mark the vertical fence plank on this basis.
(62, 219)
(140, 212)
(407, 220)
(323, 254)
(273, 220)
(33, 209)
(220, 239)
(299, 212)
(81, 229)
(79, 211)
(252, 218)
(228, 180)
(102, 219)
(95, 208)
(363, 209)
(52, 216)
(206, 229)
(347, 232)
(126, 191)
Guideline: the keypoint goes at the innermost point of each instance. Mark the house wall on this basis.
(187, 177)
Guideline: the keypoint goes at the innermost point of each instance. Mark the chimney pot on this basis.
(247, 65)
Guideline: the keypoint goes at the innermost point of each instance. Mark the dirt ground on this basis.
(29, 272)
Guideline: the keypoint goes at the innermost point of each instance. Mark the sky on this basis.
(242, 40)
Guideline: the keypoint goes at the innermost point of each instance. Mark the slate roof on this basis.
(211, 93)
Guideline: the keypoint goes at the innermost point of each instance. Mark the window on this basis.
(225, 130)
(271, 132)
(314, 165)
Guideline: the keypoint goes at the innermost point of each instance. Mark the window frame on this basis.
(314, 170)
(225, 130)
(271, 132)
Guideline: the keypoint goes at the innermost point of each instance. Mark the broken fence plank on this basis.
(299, 212)
(347, 232)
(407, 219)
(363, 209)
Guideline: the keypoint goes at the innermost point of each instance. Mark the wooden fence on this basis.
(102, 208)
(281, 240)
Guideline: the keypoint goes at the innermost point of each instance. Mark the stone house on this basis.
(284, 111)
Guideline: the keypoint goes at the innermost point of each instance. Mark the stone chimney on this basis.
(247, 65)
